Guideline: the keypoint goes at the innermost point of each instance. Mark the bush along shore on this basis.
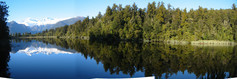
(213, 43)
(202, 43)
(171, 42)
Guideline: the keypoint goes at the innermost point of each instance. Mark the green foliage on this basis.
(5, 44)
(155, 22)
(4, 31)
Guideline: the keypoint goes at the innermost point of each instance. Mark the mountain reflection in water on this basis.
(127, 59)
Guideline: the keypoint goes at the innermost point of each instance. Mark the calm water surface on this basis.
(70, 59)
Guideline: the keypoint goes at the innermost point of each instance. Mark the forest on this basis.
(4, 31)
(5, 46)
(157, 21)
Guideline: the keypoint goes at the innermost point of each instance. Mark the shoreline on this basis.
(78, 37)
(202, 42)
(172, 42)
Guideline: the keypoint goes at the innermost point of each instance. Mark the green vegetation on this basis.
(212, 43)
(4, 31)
(5, 46)
(21, 35)
(156, 22)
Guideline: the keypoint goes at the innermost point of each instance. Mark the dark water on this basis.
(70, 59)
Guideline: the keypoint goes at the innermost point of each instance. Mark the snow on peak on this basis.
(36, 50)
(43, 21)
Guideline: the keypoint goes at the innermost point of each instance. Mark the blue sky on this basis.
(22, 9)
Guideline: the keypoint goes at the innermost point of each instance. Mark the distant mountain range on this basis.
(36, 25)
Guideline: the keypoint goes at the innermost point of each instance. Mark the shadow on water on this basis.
(5, 49)
(159, 60)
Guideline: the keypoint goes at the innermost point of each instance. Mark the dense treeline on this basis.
(21, 34)
(155, 22)
(5, 47)
(159, 60)
(4, 31)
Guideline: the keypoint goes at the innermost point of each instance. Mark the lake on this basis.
(81, 59)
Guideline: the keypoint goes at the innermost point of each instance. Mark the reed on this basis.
(213, 43)
(176, 42)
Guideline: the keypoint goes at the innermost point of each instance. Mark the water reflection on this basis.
(31, 47)
(162, 61)
(4, 58)
(36, 50)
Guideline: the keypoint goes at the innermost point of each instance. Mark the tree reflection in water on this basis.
(5, 49)
(157, 59)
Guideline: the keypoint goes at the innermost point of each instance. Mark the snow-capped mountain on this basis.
(38, 25)
(39, 22)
